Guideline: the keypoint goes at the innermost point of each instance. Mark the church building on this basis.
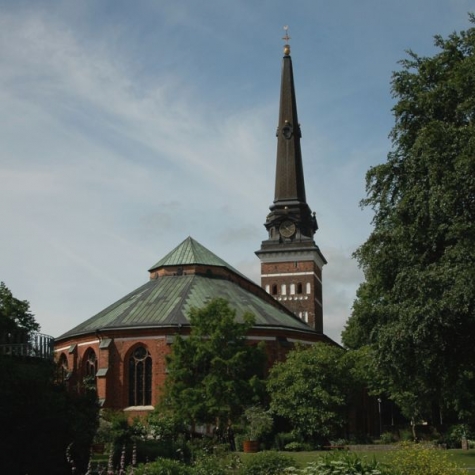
(122, 349)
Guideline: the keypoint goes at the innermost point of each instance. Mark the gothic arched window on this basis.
(90, 367)
(140, 377)
(63, 369)
(90, 364)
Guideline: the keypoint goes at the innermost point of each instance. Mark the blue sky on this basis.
(127, 126)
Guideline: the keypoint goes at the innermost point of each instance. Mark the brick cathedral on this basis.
(122, 349)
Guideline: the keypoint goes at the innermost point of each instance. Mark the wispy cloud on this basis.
(126, 128)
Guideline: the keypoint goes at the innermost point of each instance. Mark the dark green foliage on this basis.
(282, 439)
(257, 422)
(165, 425)
(415, 311)
(166, 437)
(348, 464)
(297, 447)
(267, 463)
(15, 315)
(216, 465)
(39, 419)
(151, 450)
(163, 467)
(214, 373)
(311, 390)
(452, 438)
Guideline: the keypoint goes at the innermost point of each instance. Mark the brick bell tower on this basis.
(291, 262)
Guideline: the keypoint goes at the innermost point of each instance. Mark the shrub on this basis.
(149, 450)
(258, 422)
(282, 439)
(163, 467)
(216, 465)
(347, 464)
(267, 463)
(297, 446)
(421, 459)
(453, 437)
(387, 438)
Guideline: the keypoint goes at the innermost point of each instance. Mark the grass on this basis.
(463, 458)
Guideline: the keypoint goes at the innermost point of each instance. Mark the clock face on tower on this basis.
(287, 229)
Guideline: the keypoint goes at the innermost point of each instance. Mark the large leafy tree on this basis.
(416, 309)
(214, 372)
(15, 314)
(312, 388)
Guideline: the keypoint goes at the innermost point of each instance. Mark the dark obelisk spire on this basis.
(290, 209)
(291, 262)
(289, 183)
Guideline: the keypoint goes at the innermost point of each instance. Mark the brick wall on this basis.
(113, 351)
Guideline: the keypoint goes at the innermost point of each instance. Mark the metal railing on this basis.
(31, 344)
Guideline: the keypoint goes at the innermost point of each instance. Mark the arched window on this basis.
(283, 289)
(140, 377)
(308, 288)
(268, 288)
(90, 364)
(274, 289)
(63, 370)
(90, 368)
(292, 289)
(299, 288)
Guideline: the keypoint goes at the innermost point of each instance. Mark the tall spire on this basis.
(290, 204)
(289, 181)
(291, 262)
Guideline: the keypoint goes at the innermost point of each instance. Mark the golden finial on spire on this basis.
(286, 38)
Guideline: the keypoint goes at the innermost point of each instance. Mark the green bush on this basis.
(297, 446)
(387, 438)
(267, 463)
(216, 465)
(342, 464)
(282, 439)
(163, 467)
(149, 450)
(422, 459)
(453, 437)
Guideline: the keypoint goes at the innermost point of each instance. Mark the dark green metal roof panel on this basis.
(191, 252)
(167, 301)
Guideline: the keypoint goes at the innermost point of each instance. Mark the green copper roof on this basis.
(191, 252)
(167, 300)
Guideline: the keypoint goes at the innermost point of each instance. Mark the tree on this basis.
(214, 373)
(15, 315)
(311, 389)
(40, 418)
(416, 309)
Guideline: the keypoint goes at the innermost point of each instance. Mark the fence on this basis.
(31, 344)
